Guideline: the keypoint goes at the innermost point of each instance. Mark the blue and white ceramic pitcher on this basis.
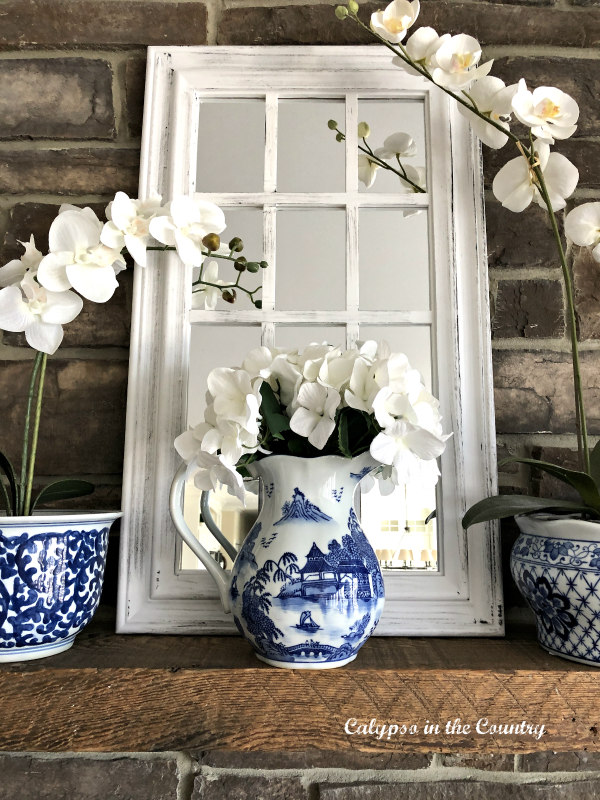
(305, 589)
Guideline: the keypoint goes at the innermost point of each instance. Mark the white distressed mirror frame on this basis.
(465, 596)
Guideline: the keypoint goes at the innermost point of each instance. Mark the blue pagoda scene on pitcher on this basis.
(306, 585)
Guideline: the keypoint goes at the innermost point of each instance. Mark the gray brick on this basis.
(461, 790)
(534, 391)
(528, 310)
(69, 172)
(83, 415)
(95, 23)
(67, 778)
(135, 81)
(579, 761)
(517, 241)
(76, 101)
(587, 293)
(490, 762)
(232, 787)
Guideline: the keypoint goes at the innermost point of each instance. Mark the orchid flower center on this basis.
(398, 24)
(547, 109)
(461, 62)
(138, 226)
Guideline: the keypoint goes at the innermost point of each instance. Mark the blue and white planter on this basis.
(305, 589)
(51, 574)
(556, 565)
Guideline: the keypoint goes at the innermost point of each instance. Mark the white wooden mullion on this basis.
(332, 199)
(269, 215)
(245, 316)
(352, 266)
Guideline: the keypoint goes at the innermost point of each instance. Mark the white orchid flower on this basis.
(423, 45)
(210, 294)
(314, 417)
(15, 270)
(39, 313)
(186, 223)
(550, 113)
(493, 98)
(456, 61)
(514, 185)
(394, 21)
(398, 144)
(582, 226)
(128, 224)
(235, 398)
(367, 170)
(77, 259)
(416, 175)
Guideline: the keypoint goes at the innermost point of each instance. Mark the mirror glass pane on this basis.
(231, 145)
(385, 118)
(215, 346)
(396, 524)
(247, 224)
(308, 157)
(297, 337)
(393, 260)
(311, 259)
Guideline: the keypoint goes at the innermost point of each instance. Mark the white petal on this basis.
(561, 178)
(512, 186)
(425, 444)
(321, 432)
(61, 307)
(582, 225)
(303, 421)
(186, 445)
(384, 448)
(74, 230)
(112, 236)
(12, 273)
(136, 247)
(163, 230)
(52, 272)
(189, 251)
(312, 395)
(15, 316)
(44, 336)
(97, 284)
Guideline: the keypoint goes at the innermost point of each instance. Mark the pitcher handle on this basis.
(213, 528)
(217, 573)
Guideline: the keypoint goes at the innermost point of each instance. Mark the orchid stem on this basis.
(25, 450)
(35, 432)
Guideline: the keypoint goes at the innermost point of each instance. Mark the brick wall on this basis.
(71, 94)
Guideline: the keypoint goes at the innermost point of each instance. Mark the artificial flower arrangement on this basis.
(321, 401)
(41, 293)
(537, 174)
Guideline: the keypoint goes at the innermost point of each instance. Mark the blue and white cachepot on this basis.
(306, 589)
(51, 574)
(556, 565)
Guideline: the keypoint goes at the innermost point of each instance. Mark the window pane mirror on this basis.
(393, 261)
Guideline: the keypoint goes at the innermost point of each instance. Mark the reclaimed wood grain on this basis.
(155, 693)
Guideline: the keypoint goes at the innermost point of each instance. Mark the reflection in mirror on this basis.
(386, 117)
(223, 165)
(400, 528)
(413, 340)
(308, 157)
(215, 346)
(397, 525)
(247, 224)
(297, 337)
(393, 260)
(311, 259)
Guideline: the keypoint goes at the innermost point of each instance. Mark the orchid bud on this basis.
(339, 137)
(240, 264)
(236, 244)
(341, 12)
(258, 304)
(363, 130)
(211, 241)
(252, 266)
(264, 264)
(229, 295)
(332, 124)
(353, 6)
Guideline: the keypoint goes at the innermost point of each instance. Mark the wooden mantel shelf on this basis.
(159, 693)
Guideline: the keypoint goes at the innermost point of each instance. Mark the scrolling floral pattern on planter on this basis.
(560, 579)
(50, 584)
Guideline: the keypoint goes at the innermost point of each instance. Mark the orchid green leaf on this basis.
(63, 490)
(507, 505)
(580, 481)
(8, 470)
